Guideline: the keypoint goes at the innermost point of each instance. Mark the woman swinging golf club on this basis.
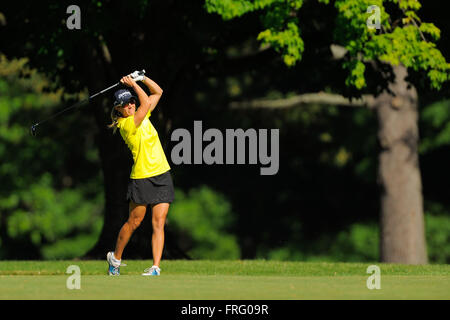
(150, 180)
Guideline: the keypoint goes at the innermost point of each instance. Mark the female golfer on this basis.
(150, 180)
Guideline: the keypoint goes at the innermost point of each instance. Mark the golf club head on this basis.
(33, 130)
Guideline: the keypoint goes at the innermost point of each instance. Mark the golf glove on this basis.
(138, 76)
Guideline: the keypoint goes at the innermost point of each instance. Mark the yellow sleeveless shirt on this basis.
(143, 141)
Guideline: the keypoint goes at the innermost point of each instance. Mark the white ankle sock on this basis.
(116, 261)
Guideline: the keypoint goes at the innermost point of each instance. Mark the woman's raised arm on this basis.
(152, 100)
(147, 103)
(155, 90)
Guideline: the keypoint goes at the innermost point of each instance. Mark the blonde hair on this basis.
(115, 116)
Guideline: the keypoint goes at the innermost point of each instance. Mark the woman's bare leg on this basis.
(159, 214)
(137, 214)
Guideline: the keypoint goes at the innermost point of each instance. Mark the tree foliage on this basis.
(38, 204)
(203, 219)
(327, 154)
(403, 38)
(279, 21)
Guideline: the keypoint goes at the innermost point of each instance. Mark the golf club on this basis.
(34, 126)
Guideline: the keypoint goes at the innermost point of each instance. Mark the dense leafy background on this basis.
(322, 204)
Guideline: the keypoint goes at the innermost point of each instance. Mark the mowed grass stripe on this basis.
(235, 267)
(223, 287)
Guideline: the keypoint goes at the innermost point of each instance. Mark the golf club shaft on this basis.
(78, 104)
(103, 91)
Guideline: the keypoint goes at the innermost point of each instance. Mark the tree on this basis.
(387, 63)
(44, 213)
(191, 54)
(170, 37)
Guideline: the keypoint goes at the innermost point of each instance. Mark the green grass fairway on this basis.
(223, 280)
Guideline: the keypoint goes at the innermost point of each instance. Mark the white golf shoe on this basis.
(153, 271)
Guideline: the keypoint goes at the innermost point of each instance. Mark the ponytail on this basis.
(115, 116)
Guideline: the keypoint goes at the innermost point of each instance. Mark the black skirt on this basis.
(153, 190)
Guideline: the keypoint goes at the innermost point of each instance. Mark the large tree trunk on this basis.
(402, 219)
